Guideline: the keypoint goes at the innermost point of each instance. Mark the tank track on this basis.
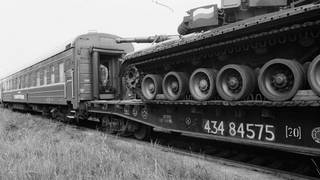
(278, 23)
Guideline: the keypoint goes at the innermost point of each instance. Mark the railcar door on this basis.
(69, 84)
(106, 81)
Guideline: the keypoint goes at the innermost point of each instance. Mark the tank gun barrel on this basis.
(148, 39)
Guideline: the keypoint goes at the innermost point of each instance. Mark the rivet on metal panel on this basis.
(188, 121)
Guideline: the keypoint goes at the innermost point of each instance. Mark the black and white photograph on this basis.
(160, 89)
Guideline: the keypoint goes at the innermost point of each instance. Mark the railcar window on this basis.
(48, 76)
(22, 82)
(33, 79)
(52, 74)
(61, 72)
(26, 78)
(19, 83)
(38, 78)
(41, 77)
(14, 85)
(45, 76)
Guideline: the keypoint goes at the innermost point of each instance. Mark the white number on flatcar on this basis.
(261, 132)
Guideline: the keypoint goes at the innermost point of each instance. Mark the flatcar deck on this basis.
(240, 103)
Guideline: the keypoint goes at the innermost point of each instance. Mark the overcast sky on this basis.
(31, 29)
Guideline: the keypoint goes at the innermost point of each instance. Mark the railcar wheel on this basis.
(280, 79)
(314, 75)
(174, 85)
(151, 86)
(202, 84)
(235, 82)
(106, 125)
(142, 132)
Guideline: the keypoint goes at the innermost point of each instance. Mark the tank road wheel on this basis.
(314, 75)
(142, 132)
(235, 82)
(202, 84)
(174, 85)
(151, 86)
(280, 79)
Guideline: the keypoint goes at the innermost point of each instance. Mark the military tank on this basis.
(247, 51)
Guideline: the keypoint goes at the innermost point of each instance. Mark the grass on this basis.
(32, 147)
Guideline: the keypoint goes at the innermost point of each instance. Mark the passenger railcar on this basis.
(62, 81)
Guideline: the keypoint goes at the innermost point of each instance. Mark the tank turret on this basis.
(148, 39)
(210, 16)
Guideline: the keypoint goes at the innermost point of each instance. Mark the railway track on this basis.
(281, 164)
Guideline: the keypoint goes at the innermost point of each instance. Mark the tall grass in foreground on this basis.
(35, 148)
